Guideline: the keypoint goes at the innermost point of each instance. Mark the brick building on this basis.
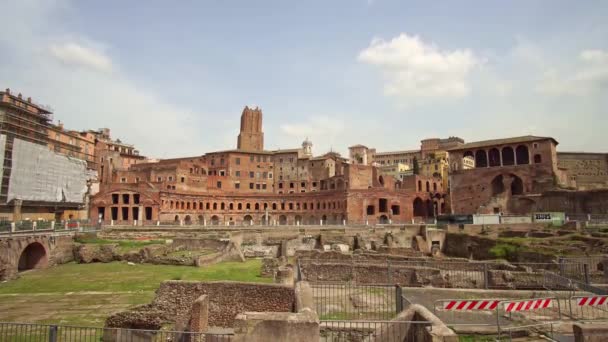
(507, 177)
(252, 185)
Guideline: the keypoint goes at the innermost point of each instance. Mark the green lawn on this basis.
(85, 294)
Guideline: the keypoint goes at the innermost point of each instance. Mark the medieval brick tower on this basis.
(251, 137)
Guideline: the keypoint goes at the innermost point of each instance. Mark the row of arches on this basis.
(257, 206)
(428, 186)
(515, 184)
(283, 219)
(428, 208)
(507, 156)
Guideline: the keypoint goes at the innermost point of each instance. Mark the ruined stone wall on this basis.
(589, 169)
(174, 300)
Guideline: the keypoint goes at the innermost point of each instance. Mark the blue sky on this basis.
(172, 77)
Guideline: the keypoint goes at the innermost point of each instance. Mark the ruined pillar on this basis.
(199, 316)
(283, 249)
(284, 275)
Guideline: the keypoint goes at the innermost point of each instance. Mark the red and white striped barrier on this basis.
(527, 305)
(591, 301)
(465, 305)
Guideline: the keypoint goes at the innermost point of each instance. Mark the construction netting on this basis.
(39, 174)
(2, 149)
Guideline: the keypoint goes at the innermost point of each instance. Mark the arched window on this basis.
(214, 206)
(521, 155)
(239, 206)
(222, 206)
(231, 206)
(494, 157)
(419, 207)
(248, 206)
(257, 206)
(419, 185)
(428, 186)
(481, 159)
(274, 206)
(508, 157)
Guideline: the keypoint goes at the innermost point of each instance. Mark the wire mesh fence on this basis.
(348, 301)
(25, 332)
(360, 330)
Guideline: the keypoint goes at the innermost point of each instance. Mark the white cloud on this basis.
(583, 77)
(78, 55)
(416, 71)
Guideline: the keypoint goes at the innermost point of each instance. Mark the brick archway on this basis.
(33, 256)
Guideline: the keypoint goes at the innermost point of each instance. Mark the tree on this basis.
(416, 166)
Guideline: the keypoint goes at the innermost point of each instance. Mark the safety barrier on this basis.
(588, 308)
(465, 311)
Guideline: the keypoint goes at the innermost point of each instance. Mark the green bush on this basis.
(504, 251)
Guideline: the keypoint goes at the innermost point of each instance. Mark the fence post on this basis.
(586, 273)
(486, 280)
(53, 333)
(398, 298)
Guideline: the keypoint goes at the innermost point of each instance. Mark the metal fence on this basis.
(355, 331)
(26, 332)
(346, 301)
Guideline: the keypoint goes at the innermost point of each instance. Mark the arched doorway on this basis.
(282, 220)
(248, 220)
(430, 209)
(383, 219)
(498, 186)
(201, 219)
(188, 220)
(33, 256)
(176, 219)
(517, 185)
(419, 207)
(215, 221)
(324, 219)
(266, 221)
(298, 219)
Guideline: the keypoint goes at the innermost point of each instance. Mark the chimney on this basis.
(8, 91)
(29, 100)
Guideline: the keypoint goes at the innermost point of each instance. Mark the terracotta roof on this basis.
(396, 152)
(505, 141)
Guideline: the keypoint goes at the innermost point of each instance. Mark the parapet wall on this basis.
(174, 299)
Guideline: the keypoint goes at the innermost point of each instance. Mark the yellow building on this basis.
(398, 170)
(437, 165)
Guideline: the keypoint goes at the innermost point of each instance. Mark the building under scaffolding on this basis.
(36, 183)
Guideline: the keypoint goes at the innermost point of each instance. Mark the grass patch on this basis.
(85, 294)
(504, 250)
(119, 276)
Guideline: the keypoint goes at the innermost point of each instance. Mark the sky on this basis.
(172, 78)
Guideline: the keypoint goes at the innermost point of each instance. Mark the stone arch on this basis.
(517, 185)
(498, 186)
(383, 219)
(33, 256)
(187, 220)
(481, 158)
(215, 220)
(419, 207)
(201, 218)
(298, 219)
(522, 155)
(176, 218)
(282, 220)
(494, 157)
(247, 220)
(508, 156)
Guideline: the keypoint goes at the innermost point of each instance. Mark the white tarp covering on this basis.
(39, 174)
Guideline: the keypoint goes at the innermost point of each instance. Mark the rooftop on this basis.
(504, 141)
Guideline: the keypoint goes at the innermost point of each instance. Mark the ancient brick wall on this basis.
(174, 300)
